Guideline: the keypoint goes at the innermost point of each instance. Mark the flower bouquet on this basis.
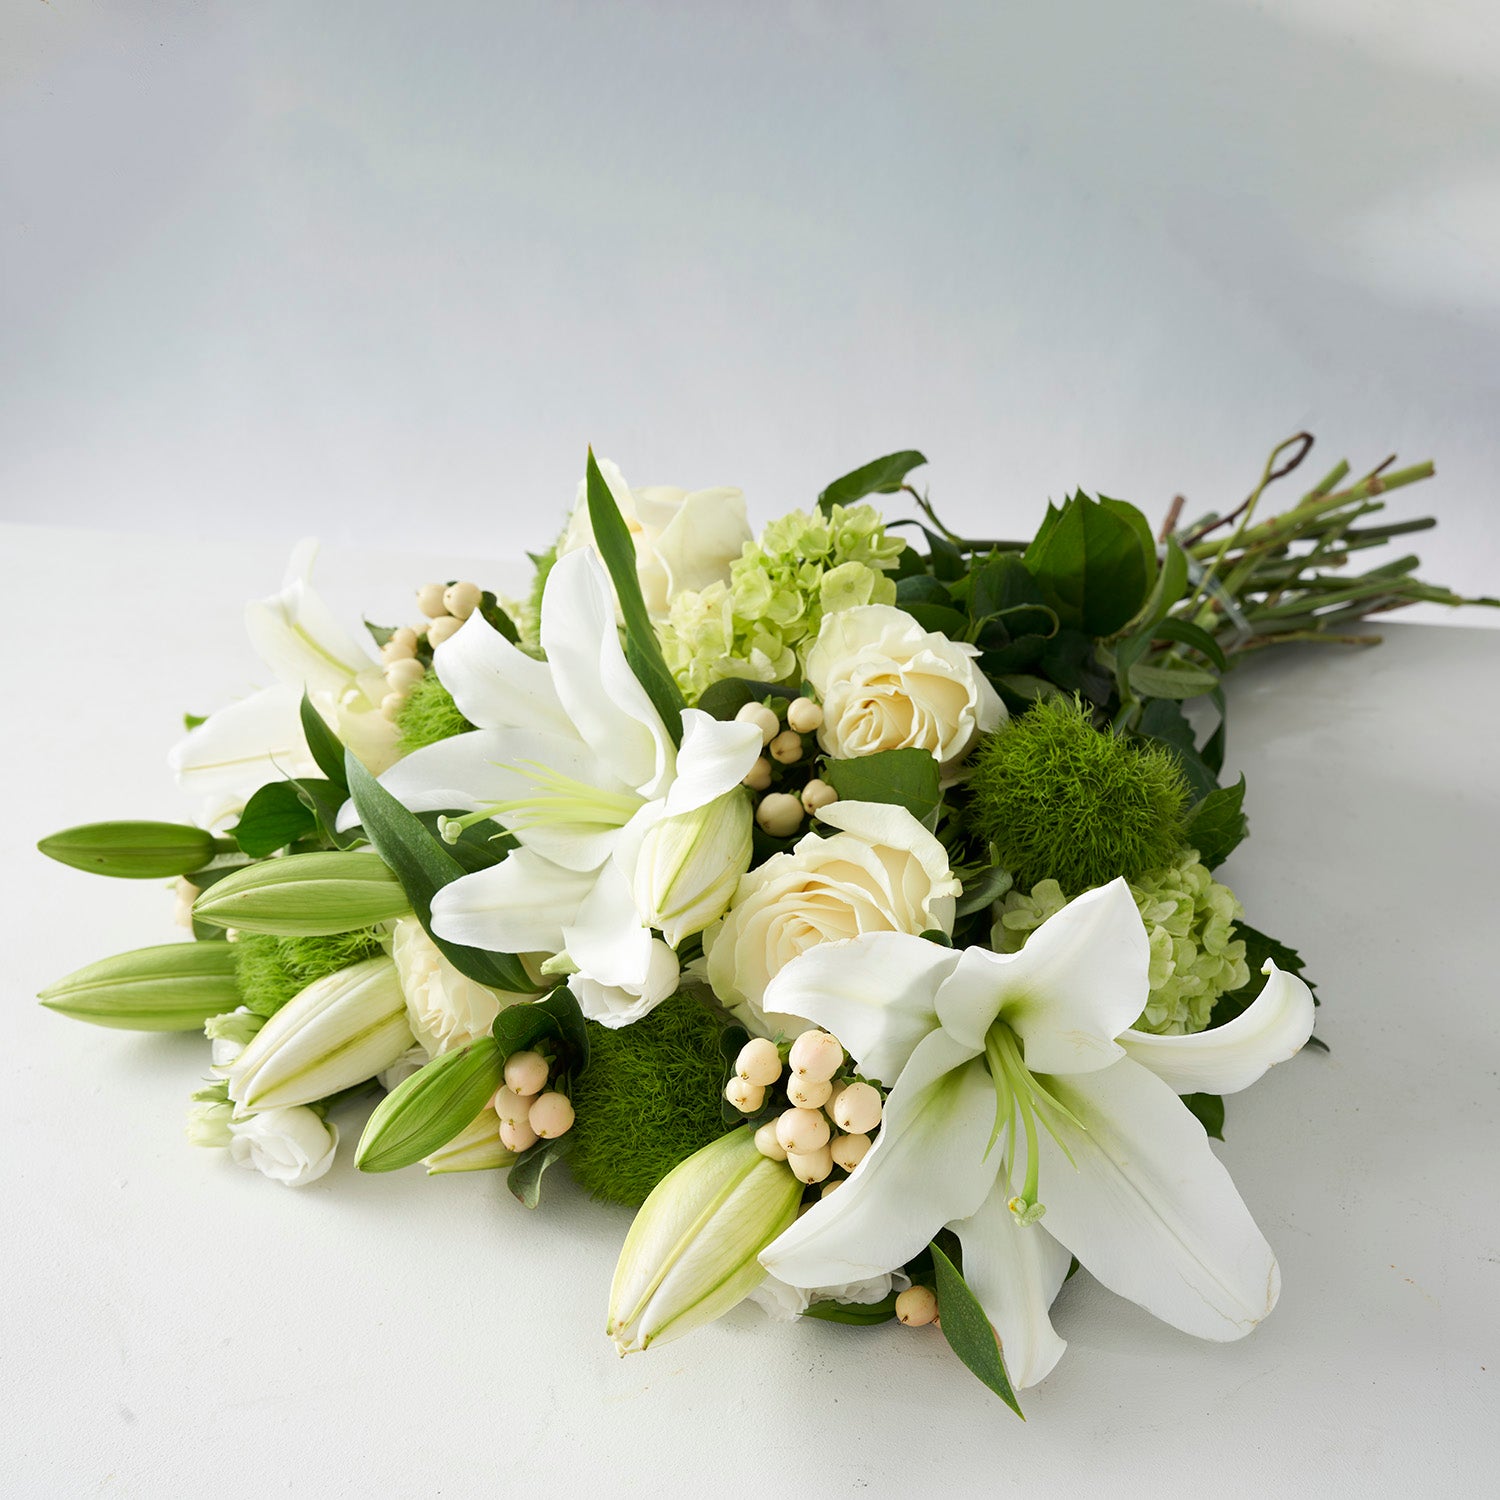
(842, 899)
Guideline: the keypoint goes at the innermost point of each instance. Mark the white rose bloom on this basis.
(887, 684)
(785, 1304)
(883, 872)
(293, 1146)
(444, 1008)
(683, 540)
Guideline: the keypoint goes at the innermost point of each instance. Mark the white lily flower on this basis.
(1020, 1090)
(572, 757)
(259, 739)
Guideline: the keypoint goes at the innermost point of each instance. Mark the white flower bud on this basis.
(815, 1055)
(808, 1093)
(779, 814)
(817, 794)
(763, 719)
(810, 1166)
(758, 777)
(786, 747)
(442, 629)
(849, 1150)
(759, 1062)
(917, 1306)
(858, 1109)
(690, 864)
(551, 1115)
(462, 599)
(526, 1073)
(430, 600)
(804, 715)
(801, 1131)
(746, 1097)
(767, 1144)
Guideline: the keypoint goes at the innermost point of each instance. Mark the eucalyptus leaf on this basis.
(968, 1330)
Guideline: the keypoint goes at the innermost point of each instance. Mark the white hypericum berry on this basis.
(828, 1187)
(402, 676)
(430, 600)
(746, 1097)
(462, 599)
(779, 814)
(801, 1130)
(804, 715)
(551, 1115)
(759, 1061)
(517, 1135)
(758, 777)
(510, 1105)
(858, 1108)
(849, 1150)
(817, 794)
(815, 1055)
(810, 1166)
(917, 1306)
(392, 703)
(786, 747)
(399, 649)
(808, 1093)
(403, 637)
(440, 630)
(763, 719)
(767, 1144)
(526, 1073)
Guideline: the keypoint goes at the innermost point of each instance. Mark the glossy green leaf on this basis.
(858, 1314)
(1191, 635)
(1218, 824)
(881, 476)
(983, 889)
(323, 742)
(1090, 564)
(1208, 1109)
(909, 778)
(968, 1330)
(274, 817)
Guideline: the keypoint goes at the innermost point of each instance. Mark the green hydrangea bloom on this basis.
(804, 566)
(1189, 917)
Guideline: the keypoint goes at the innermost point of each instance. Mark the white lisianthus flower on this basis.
(784, 1303)
(259, 739)
(885, 683)
(445, 1009)
(683, 539)
(882, 872)
(291, 1146)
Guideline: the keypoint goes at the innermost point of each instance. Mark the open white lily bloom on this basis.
(259, 739)
(1021, 1092)
(571, 757)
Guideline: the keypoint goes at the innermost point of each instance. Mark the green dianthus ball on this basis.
(429, 715)
(648, 1100)
(1064, 801)
(271, 970)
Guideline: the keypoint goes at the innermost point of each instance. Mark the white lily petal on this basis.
(1228, 1058)
(1080, 981)
(875, 993)
(927, 1167)
(297, 636)
(1150, 1210)
(613, 1006)
(714, 757)
(594, 683)
(1016, 1271)
(520, 905)
(495, 685)
(606, 938)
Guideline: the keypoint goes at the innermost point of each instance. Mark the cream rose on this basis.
(292, 1146)
(444, 1008)
(683, 540)
(882, 872)
(887, 684)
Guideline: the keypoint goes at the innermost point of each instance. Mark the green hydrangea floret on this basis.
(1062, 800)
(649, 1098)
(271, 970)
(429, 715)
(1189, 918)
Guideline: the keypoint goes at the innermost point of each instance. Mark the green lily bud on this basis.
(341, 1030)
(174, 987)
(476, 1148)
(132, 851)
(690, 864)
(426, 1111)
(305, 895)
(692, 1252)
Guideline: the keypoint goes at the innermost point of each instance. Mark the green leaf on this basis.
(425, 1111)
(525, 1177)
(968, 1330)
(495, 616)
(1171, 682)
(323, 743)
(380, 633)
(725, 698)
(881, 476)
(860, 1314)
(192, 721)
(273, 818)
(909, 778)
(983, 889)
(642, 649)
(555, 1017)
(1191, 635)
(1171, 584)
(1163, 721)
(1090, 564)
(1218, 824)
(424, 866)
(1209, 1111)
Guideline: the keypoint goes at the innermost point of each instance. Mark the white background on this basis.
(381, 270)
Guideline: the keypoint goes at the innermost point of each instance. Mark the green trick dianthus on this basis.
(429, 715)
(271, 970)
(1064, 801)
(648, 1099)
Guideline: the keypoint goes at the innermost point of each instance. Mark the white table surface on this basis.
(174, 1326)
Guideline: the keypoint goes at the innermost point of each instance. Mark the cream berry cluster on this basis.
(780, 813)
(529, 1111)
(447, 606)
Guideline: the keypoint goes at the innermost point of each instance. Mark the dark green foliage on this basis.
(648, 1099)
(429, 715)
(271, 970)
(1060, 799)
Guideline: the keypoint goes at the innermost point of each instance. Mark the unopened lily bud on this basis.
(517, 1135)
(786, 747)
(131, 850)
(174, 987)
(339, 1031)
(526, 1073)
(690, 865)
(817, 794)
(430, 600)
(858, 1108)
(746, 1097)
(693, 1251)
(763, 719)
(462, 599)
(849, 1150)
(811, 1166)
(476, 1148)
(551, 1115)
(767, 1144)
(801, 1131)
(917, 1306)
(804, 715)
(430, 1108)
(808, 1093)
(443, 629)
(780, 814)
(759, 1062)
(815, 1055)
(305, 895)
